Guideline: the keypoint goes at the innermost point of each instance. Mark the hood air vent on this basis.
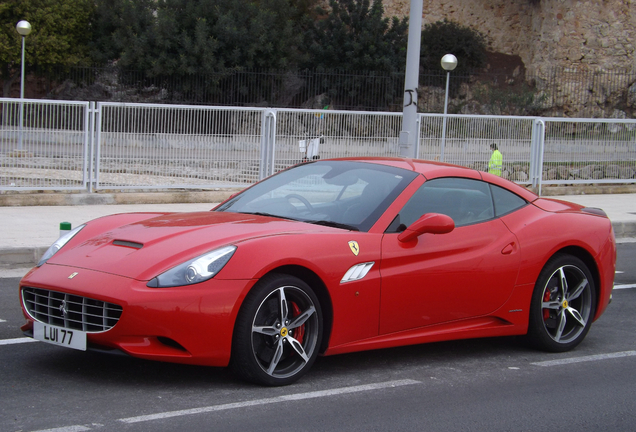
(128, 244)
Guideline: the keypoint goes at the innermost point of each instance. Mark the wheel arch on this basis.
(589, 261)
(321, 291)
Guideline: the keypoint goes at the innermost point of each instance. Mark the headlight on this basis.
(194, 271)
(58, 245)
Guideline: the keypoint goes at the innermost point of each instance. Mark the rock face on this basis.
(576, 34)
(580, 56)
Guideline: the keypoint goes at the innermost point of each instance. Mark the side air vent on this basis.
(357, 272)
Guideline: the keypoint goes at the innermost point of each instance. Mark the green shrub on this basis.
(448, 37)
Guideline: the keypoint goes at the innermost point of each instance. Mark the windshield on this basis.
(344, 194)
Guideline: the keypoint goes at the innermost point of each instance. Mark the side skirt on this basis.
(466, 329)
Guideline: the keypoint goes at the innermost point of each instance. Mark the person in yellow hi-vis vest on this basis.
(495, 165)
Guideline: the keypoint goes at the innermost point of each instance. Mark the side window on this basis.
(505, 201)
(466, 201)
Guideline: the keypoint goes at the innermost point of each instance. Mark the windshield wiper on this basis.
(269, 215)
(319, 222)
(334, 224)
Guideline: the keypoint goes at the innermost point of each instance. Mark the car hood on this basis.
(151, 244)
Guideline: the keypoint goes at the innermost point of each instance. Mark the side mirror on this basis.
(430, 223)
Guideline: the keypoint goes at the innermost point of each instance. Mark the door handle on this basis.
(508, 249)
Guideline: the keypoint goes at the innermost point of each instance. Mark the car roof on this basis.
(435, 169)
(417, 165)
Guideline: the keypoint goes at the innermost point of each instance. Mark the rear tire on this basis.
(278, 331)
(563, 305)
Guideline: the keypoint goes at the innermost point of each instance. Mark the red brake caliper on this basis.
(299, 333)
(546, 312)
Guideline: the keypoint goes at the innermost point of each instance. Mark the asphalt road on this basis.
(492, 384)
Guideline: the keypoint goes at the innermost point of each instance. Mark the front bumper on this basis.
(191, 324)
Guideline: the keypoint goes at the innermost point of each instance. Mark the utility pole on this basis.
(409, 140)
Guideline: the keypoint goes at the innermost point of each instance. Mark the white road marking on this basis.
(585, 358)
(66, 429)
(619, 272)
(256, 402)
(624, 286)
(1, 320)
(16, 341)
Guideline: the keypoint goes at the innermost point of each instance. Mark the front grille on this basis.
(70, 311)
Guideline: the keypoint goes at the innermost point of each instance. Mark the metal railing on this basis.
(340, 134)
(536, 150)
(144, 146)
(584, 151)
(45, 148)
(173, 146)
(123, 146)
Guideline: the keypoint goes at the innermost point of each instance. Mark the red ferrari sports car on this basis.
(327, 257)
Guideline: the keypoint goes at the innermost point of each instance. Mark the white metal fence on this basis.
(536, 150)
(598, 151)
(467, 139)
(172, 146)
(44, 144)
(111, 146)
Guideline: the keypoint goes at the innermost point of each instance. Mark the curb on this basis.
(23, 257)
(46, 198)
(593, 189)
(75, 199)
(623, 230)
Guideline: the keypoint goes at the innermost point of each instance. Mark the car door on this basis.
(437, 278)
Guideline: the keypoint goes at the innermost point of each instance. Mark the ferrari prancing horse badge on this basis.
(354, 247)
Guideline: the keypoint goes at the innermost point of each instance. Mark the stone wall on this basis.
(564, 33)
(573, 50)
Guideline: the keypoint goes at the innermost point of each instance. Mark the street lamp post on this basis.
(23, 28)
(449, 63)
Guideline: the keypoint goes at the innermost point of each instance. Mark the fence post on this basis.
(268, 144)
(95, 150)
(89, 148)
(537, 148)
(418, 131)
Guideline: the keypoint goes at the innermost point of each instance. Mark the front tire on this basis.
(563, 305)
(278, 331)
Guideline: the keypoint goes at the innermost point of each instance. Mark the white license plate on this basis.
(75, 339)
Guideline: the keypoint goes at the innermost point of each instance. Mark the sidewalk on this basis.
(27, 232)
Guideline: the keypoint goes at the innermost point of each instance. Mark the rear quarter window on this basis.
(505, 201)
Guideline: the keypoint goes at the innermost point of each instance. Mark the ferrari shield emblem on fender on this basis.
(353, 245)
